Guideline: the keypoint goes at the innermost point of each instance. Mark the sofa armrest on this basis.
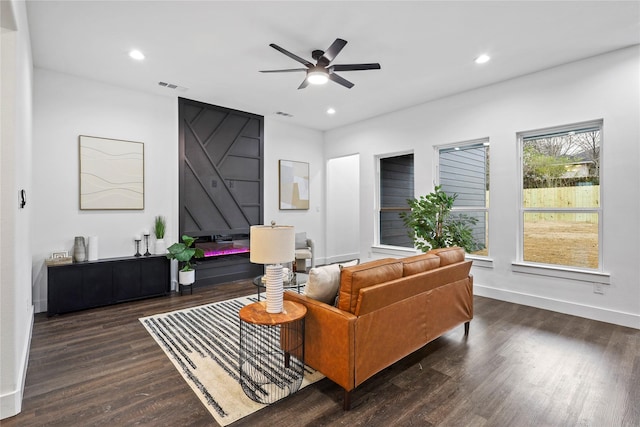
(329, 340)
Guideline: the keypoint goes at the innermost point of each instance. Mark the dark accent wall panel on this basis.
(221, 169)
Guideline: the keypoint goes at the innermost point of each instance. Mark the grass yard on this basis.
(568, 243)
(562, 242)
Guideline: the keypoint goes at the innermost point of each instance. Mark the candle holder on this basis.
(146, 242)
(137, 247)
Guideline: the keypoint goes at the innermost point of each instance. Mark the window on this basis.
(560, 208)
(396, 186)
(463, 170)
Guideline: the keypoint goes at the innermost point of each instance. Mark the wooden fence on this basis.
(563, 197)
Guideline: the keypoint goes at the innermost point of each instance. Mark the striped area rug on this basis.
(203, 344)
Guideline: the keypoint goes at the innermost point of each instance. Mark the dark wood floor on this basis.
(520, 366)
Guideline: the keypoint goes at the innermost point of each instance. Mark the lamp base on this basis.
(275, 288)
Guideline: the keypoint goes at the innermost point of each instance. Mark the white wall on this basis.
(66, 107)
(604, 87)
(16, 308)
(288, 142)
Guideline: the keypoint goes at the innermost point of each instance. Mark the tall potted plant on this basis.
(433, 226)
(159, 228)
(184, 253)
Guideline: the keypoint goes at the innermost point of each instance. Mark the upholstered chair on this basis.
(304, 251)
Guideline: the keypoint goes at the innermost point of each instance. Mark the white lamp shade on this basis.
(272, 244)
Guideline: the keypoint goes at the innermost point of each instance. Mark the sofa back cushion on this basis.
(419, 263)
(448, 255)
(379, 296)
(354, 278)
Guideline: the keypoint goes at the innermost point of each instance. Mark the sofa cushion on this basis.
(420, 263)
(449, 255)
(354, 278)
(323, 283)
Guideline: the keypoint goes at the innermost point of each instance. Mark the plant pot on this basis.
(186, 277)
(160, 247)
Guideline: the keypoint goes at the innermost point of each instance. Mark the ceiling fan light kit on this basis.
(321, 72)
(317, 76)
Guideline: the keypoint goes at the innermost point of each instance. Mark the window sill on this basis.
(562, 273)
(394, 251)
(483, 262)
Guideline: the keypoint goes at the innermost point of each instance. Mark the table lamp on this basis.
(272, 245)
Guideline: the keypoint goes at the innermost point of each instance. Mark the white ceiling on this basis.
(426, 48)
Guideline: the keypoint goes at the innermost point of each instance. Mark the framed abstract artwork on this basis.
(294, 184)
(111, 174)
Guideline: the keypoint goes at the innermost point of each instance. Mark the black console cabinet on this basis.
(83, 285)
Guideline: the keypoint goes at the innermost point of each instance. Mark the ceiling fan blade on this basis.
(304, 84)
(333, 51)
(340, 80)
(291, 55)
(354, 67)
(288, 70)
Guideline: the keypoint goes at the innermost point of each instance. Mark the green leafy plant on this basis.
(433, 225)
(159, 227)
(184, 253)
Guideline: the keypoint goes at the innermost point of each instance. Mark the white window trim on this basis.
(480, 260)
(396, 251)
(552, 270)
(561, 272)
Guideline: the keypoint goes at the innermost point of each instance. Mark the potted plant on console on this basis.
(159, 227)
(184, 253)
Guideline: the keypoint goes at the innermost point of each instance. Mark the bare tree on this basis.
(548, 157)
(589, 144)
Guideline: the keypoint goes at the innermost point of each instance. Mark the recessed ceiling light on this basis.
(331, 110)
(136, 54)
(482, 59)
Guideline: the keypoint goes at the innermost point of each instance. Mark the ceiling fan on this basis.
(321, 71)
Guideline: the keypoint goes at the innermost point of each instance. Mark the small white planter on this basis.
(160, 247)
(186, 277)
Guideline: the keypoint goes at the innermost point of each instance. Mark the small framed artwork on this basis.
(111, 174)
(59, 254)
(294, 184)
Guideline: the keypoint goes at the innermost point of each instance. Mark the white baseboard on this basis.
(595, 313)
(40, 306)
(11, 402)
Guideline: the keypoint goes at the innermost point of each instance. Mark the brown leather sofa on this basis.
(386, 309)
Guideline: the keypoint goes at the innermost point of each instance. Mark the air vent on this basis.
(282, 113)
(173, 86)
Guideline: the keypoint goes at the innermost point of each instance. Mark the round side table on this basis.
(271, 351)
